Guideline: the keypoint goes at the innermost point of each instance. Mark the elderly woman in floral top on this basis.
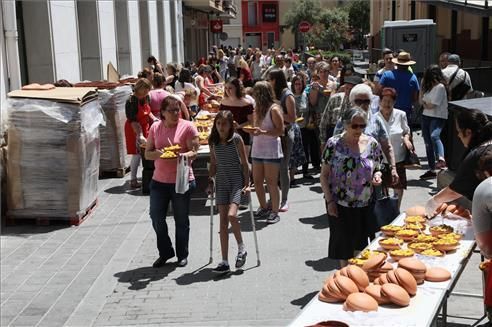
(351, 165)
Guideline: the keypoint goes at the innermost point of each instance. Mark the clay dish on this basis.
(396, 294)
(437, 274)
(346, 285)
(359, 276)
(412, 265)
(416, 211)
(374, 262)
(360, 302)
(406, 280)
(375, 291)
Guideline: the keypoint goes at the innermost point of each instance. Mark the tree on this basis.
(335, 28)
(304, 10)
(359, 11)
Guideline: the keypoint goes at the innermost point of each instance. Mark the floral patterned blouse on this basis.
(351, 173)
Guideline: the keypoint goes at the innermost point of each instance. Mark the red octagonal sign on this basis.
(304, 27)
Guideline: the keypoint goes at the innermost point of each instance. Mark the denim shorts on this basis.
(266, 161)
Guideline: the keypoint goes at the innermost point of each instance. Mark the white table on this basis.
(424, 307)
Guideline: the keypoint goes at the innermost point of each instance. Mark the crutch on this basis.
(254, 230)
(211, 197)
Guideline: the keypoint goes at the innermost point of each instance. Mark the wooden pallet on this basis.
(46, 221)
(115, 173)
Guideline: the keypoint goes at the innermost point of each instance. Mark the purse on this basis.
(182, 175)
(411, 161)
(385, 208)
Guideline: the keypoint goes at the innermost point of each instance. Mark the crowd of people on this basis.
(279, 114)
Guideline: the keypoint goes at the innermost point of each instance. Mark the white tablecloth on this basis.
(423, 307)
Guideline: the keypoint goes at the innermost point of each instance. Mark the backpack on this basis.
(459, 91)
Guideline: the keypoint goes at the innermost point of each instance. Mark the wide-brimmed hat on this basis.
(352, 79)
(404, 59)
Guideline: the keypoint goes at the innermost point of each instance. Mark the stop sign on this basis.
(304, 27)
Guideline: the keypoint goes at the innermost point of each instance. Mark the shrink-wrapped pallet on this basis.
(53, 158)
(113, 147)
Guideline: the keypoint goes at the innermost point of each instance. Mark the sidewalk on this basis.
(100, 272)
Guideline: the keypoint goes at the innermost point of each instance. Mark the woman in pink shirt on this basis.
(171, 130)
(157, 94)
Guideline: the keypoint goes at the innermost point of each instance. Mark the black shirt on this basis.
(466, 181)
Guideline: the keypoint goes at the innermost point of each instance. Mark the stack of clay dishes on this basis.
(339, 286)
(389, 294)
(437, 274)
(416, 267)
(376, 265)
(401, 277)
(360, 302)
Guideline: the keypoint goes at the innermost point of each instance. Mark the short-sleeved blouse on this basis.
(351, 173)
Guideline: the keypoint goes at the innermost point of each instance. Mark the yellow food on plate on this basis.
(356, 261)
(415, 219)
(173, 148)
(366, 254)
(203, 136)
(425, 238)
(203, 117)
(168, 155)
(391, 228)
(391, 240)
(441, 229)
(445, 241)
(402, 252)
(420, 246)
(432, 253)
(415, 226)
(451, 236)
(407, 233)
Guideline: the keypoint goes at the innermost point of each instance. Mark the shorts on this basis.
(266, 161)
(402, 174)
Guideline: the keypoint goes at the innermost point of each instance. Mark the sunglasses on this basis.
(362, 101)
(358, 126)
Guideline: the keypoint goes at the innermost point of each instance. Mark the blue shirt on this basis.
(405, 83)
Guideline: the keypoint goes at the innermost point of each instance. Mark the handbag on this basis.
(411, 161)
(459, 91)
(385, 208)
(182, 175)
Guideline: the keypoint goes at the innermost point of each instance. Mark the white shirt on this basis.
(461, 75)
(397, 126)
(439, 98)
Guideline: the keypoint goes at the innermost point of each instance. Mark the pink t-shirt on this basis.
(165, 169)
(156, 97)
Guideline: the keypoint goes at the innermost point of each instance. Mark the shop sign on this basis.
(216, 26)
(270, 12)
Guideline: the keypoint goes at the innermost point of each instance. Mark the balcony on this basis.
(230, 9)
(477, 7)
(209, 6)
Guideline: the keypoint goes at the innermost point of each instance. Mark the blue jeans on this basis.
(431, 131)
(160, 195)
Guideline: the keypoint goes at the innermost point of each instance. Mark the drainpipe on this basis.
(11, 46)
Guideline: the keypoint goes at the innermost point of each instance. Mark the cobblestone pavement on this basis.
(100, 272)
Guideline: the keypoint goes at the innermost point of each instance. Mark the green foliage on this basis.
(345, 57)
(330, 27)
(304, 10)
(359, 11)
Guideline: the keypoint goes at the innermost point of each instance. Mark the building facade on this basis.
(47, 40)
(462, 27)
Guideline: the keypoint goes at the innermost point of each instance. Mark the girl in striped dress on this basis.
(229, 169)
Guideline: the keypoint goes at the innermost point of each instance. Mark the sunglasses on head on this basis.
(358, 126)
(362, 101)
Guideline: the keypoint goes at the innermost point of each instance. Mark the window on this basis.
(252, 13)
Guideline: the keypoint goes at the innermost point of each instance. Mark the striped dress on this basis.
(229, 176)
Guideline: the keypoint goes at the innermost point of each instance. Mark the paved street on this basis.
(100, 272)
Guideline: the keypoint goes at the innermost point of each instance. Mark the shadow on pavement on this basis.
(318, 222)
(204, 275)
(245, 222)
(422, 183)
(302, 301)
(323, 264)
(124, 189)
(316, 189)
(27, 229)
(141, 277)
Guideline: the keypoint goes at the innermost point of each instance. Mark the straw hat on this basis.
(404, 59)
